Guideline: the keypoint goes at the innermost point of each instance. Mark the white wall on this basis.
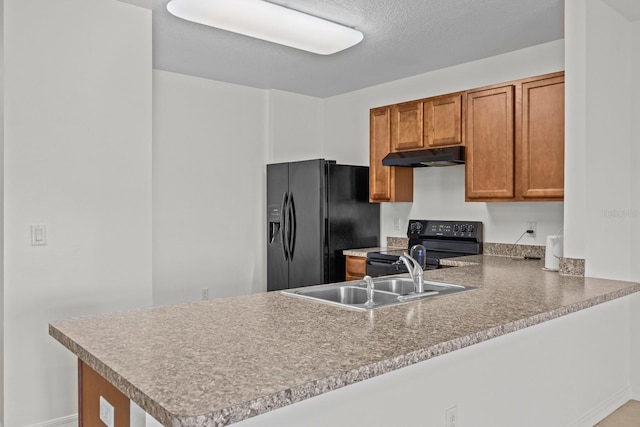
(634, 355)
(439, 192)
(571, 371)
(601, 141)
(608, 180)
(2, 213)
(635, 209)
(209, 158)
(78, 159)
(295, 127)
(575, 192)
(635, 155)
(603, 149)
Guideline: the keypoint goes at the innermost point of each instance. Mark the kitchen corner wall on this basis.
(635, 207)
(209, 156)
(635, 156)
(602, 212)
(602, 215)
(439, 192)
(77, 158)
(2, 214)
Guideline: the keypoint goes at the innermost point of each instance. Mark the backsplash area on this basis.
(496, 249)
(507, 249)
(439, 195)
(397, 242)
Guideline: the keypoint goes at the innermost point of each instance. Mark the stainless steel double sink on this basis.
(388, 291)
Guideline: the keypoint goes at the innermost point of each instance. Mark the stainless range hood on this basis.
(424, 158)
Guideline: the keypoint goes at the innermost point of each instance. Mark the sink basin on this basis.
(405, 286)
(401, 286)
(388, 291)
(351, 295)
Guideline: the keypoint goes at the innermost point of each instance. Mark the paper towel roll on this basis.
(553, 253)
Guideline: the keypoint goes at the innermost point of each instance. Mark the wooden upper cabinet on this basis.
(513, 135)
(490, 144)
(406, 126)
(443, 121)
(515, 141)
(380, 146)
(541, 143)
(386, 184)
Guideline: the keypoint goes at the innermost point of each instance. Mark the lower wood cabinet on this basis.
(356, 268)
(91, 387)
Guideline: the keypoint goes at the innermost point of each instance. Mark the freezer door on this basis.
(353, 222)
(277, 190)
(306, 235)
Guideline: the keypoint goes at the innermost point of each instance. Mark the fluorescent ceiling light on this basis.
(268, 21)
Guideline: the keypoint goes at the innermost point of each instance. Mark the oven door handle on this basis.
(380, 263)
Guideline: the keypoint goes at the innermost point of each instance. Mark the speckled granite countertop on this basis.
(362, 252)
(392, 243)
(216, 362)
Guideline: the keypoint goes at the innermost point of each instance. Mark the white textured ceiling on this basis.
(402, 38)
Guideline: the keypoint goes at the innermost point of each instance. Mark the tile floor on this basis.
(628, 415)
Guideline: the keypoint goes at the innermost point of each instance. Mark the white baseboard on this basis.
(605, 409)
(68, 421)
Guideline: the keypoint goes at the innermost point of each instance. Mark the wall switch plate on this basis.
(38, 234)
(451, 417)
(107, 413)
(531, 225)
(204, 294)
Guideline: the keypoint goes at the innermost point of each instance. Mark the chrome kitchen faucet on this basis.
(415, 271)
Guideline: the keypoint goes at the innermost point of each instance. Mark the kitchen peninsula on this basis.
(218, 362)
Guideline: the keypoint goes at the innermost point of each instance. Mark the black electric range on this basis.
(442, 239)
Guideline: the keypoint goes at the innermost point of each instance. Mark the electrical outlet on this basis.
(451, 417)
(396, 223)
(204, 294)
(531, 225)
(107, 414)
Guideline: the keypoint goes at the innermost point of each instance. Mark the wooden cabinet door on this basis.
(406, 126)
(386, 184)
(541, 148)
(91, 387)
(490, 144)
(443, 121)
(380, 146)
(356, 268)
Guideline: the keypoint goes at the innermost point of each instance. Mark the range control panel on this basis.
(450, 229)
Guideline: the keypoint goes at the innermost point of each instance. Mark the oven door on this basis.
(376, 268)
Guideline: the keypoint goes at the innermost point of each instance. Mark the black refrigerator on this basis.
(316, 209)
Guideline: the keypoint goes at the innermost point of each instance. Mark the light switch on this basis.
(106, 412)
(38, 234)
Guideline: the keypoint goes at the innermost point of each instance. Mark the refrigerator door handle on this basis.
(292, 226)
(285, 224)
